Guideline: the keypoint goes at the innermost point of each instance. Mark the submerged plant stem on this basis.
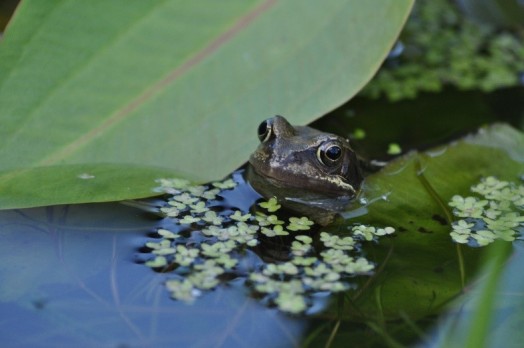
(445, 209)
(387, 338)
(332, 335)
(462, 267)
(432, 192)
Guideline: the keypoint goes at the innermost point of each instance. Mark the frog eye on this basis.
(329, 154)
(265, 130)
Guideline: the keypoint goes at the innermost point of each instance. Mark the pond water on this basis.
(70, 277)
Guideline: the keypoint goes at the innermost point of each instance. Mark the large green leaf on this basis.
(77, 183)
(174, 84)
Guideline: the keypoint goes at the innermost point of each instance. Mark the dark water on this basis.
(430, 120)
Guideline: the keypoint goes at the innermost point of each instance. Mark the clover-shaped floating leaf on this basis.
(335, 257)
(188, 220)
(215, 231)
(299, 224)
(164, 251)
(384, 231)
(304, 261)
(203, 280)
(237, 216)
(462, 227)
(196, 191)
(277, 269)
(326, 282)
(468, 207)
(266, 220)
(226, 261)
(159, 261)
(359, 266)
(170, 211)
(217, 249)
(290, 302)
(335, 242)
(484, 237)
(159, 245)
(247, 229)
(167, 185)
(300, 249)
(177, 205)
(497, 216)
(277, 230)
(317, 270)
(367, 232)
(271, 205)
(206, 275)
(212, 218)
(185, 256)
(182, 290)
(167, 234)
(224, 185)
(461, 238)
(185, 198)
(304, 239)
(489, 185)
(211, 194)
(243, 233)
(198, 208)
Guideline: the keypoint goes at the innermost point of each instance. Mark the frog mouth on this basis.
(306, 184)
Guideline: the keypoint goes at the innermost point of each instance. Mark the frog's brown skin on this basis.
(309, 171)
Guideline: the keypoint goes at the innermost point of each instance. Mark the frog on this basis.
(309, 171)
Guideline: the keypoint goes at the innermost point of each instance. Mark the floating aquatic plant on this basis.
(271, 205)
(440, 45)
(299, 224)
(496, 213)
(206, 245)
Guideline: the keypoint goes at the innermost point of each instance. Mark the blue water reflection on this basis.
(69, 278)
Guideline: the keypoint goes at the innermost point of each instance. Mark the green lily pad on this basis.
(148, 83)
(419, 269)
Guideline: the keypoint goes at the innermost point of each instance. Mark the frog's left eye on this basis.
(265, 130)
(328, 154)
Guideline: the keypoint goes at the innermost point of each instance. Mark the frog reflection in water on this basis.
(308, 171)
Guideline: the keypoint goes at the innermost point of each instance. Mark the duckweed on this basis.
(277, 230)
(266, 220)
(202, 245)
(495, 213)
(394, 149)
(299, 224)
(440, 45)
(271, 205)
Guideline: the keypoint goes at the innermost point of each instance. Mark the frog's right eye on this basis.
(265, 130)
